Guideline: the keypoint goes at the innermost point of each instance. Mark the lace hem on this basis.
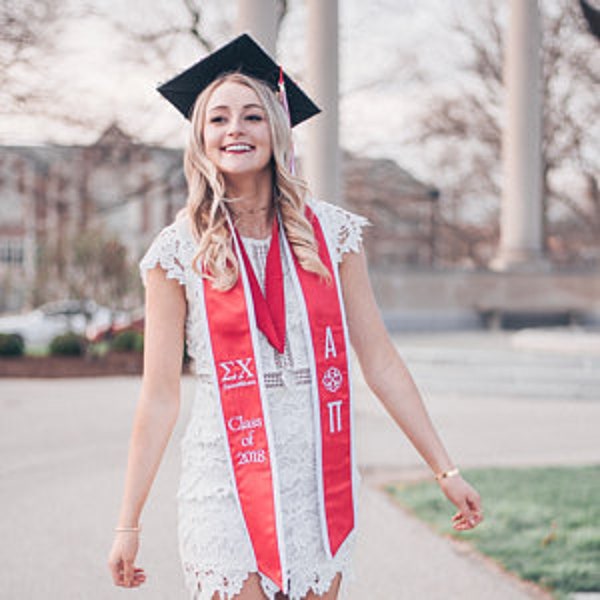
(203, 582)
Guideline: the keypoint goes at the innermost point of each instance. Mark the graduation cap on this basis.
(241, 55)
(592, 16)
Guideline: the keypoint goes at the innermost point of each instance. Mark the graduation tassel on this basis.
(284, 103)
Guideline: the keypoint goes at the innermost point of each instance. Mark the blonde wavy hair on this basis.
(207, 201)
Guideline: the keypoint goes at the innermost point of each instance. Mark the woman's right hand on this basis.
(121, 560)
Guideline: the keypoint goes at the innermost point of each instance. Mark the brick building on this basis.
(49, 193)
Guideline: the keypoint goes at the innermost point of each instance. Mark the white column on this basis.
(322, 156)
(521, 225)
(259, 19)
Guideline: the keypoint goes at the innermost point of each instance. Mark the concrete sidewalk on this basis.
(63, 445)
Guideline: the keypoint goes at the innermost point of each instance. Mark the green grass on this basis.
(543, 524)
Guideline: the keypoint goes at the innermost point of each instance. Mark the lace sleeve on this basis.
(343, 228)
(165, 250)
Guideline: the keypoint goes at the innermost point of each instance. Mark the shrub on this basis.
(68, 344)
(11, 344)
(128, 341)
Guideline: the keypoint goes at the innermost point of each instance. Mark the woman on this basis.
(268, 290)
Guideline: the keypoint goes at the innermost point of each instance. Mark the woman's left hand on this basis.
(466, 499)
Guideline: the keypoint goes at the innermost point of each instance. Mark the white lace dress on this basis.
(215, 550)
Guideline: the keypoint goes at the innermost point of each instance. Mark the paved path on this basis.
(63, 445)
(494, 403)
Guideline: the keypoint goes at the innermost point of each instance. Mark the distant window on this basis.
(11, 251)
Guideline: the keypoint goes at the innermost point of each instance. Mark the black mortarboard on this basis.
(243, 55)
(592, 16)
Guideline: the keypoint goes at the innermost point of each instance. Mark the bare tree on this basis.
(463, 130)
(29, 34)
(96, 266)
(101, 269)
(26, 33)
(183, 23)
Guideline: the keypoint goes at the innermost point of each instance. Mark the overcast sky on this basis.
(384, 45)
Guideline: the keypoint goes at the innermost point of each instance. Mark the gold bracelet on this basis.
(445, 474)
(128, 529)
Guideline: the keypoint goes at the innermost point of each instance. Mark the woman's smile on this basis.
(238, 148)
(237, 135)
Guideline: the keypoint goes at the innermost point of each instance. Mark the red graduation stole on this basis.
(270, 308)
(239, 382)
